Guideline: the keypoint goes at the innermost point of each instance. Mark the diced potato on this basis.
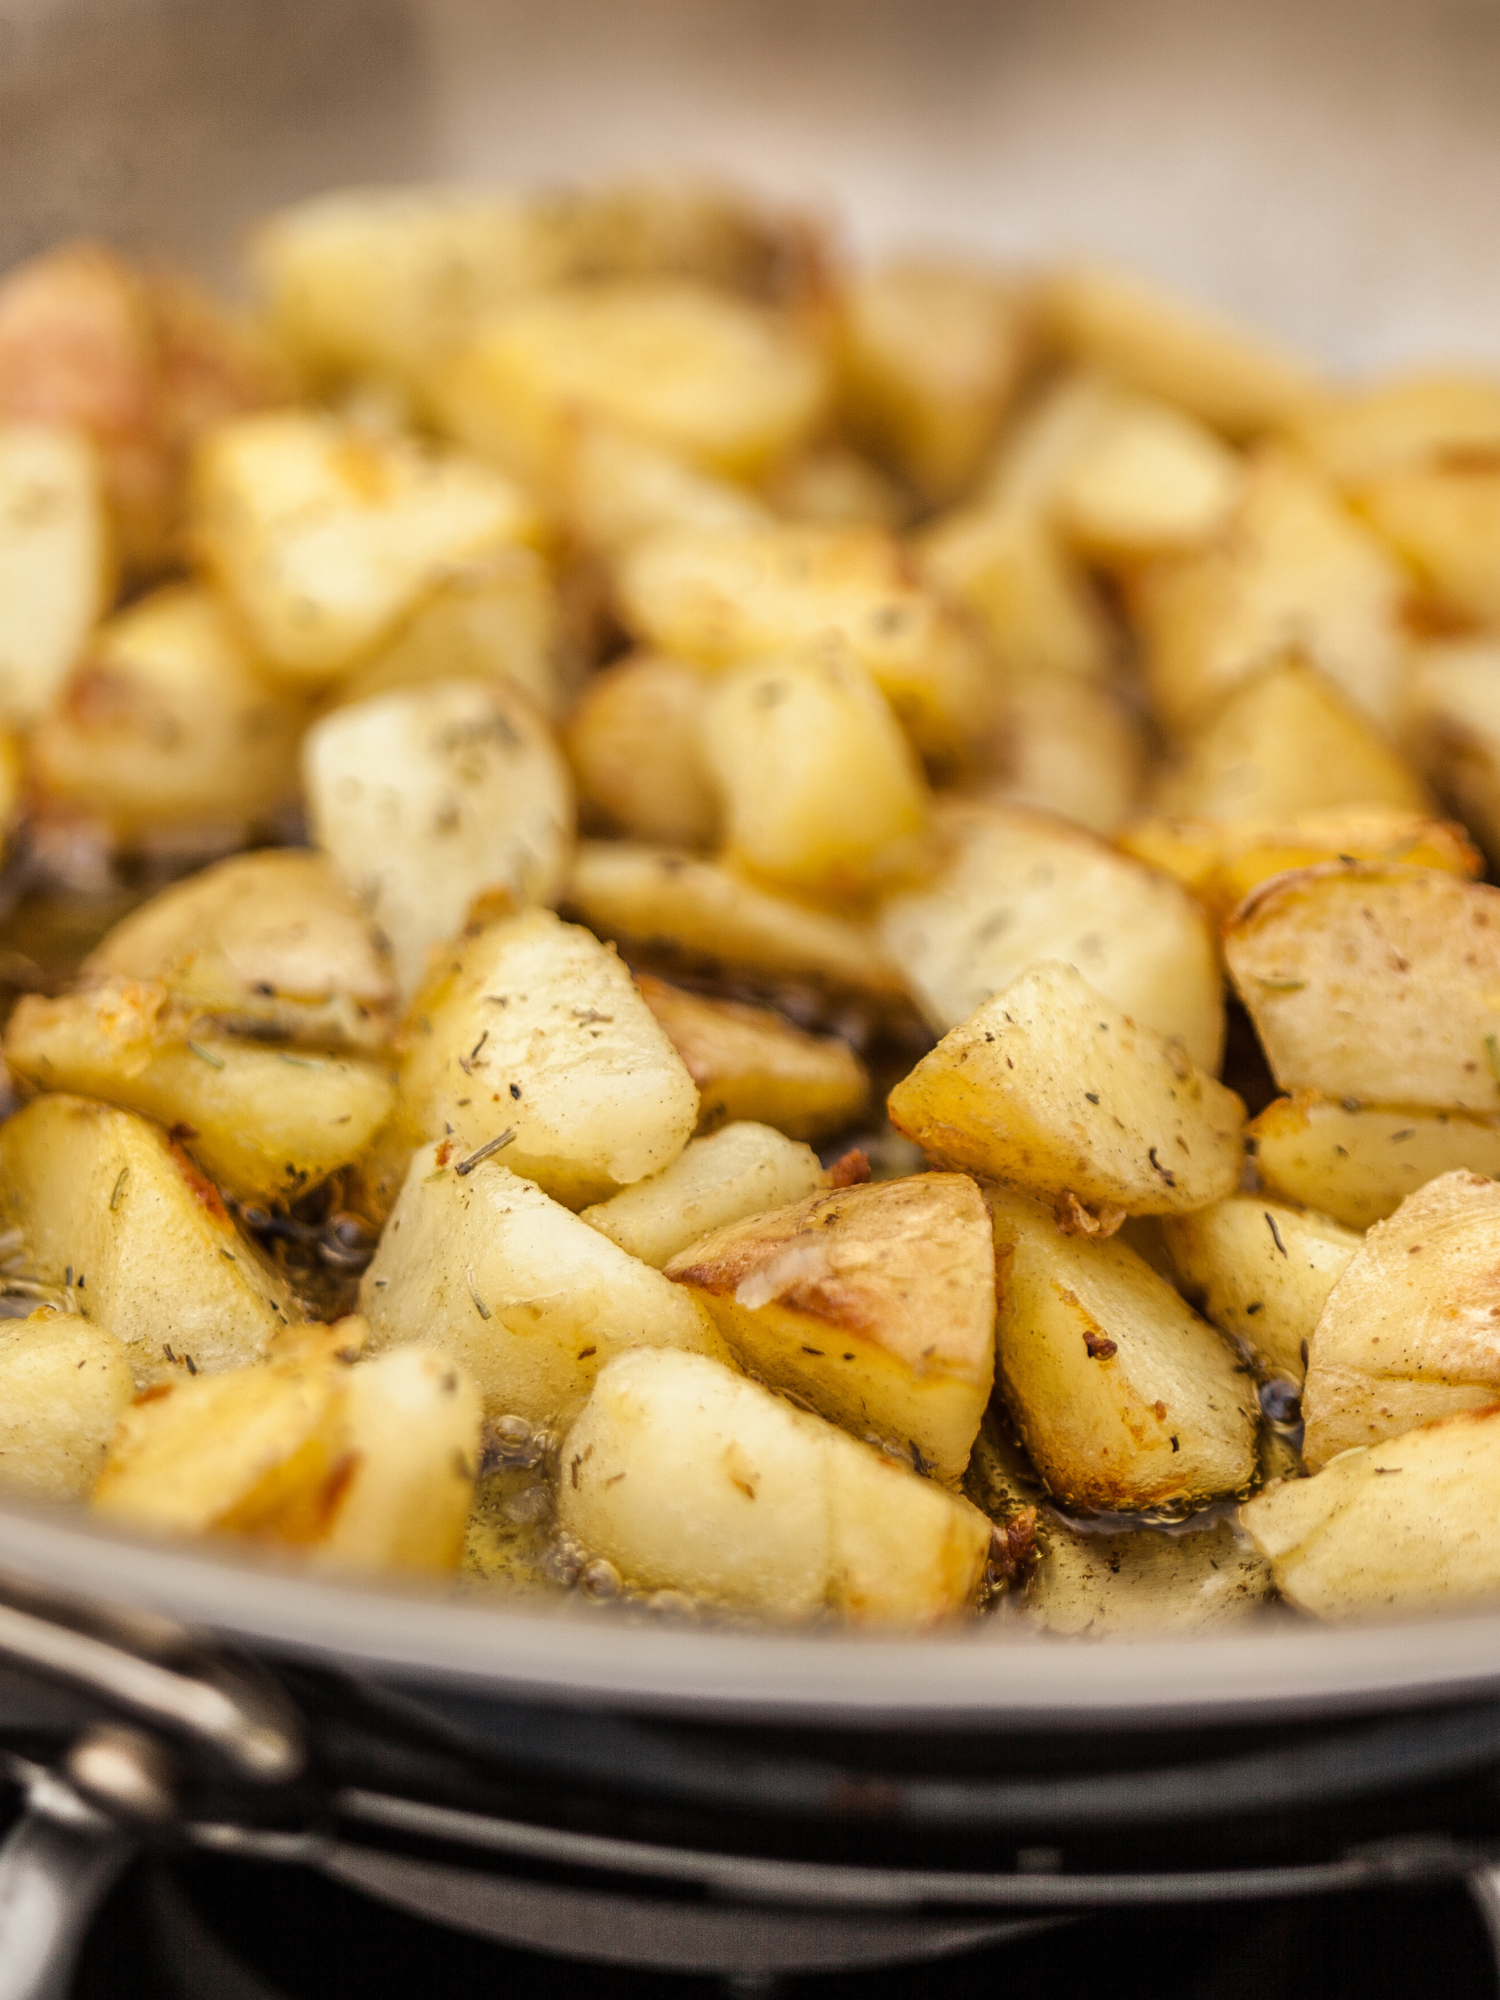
(1049, 1087)
(729, 597)
(819, 788)
(489, 620)
(1221, 861)
(1261, 1272)
(835, 486)
(270, 944)
(1453, 715)
(1126, 1399)
(1409, 1333)
(689, 915)
(64, 1384)
(430, 796)
(619, 489)
(56, 560)
(167, 727)
(1294, 570)
(636, 745)
(531, 1028)
(1374, 983)
(1359, 1162)
(1010, 570)
(263, 1123)
(111, 1214)
(1404, 420)
(874, 1303)
(1068, 747)
(1148, 481)
(728, 385)
(1445, 521)
(751, 1062)
(1286, 741)
(1018, 887)
(326, 536)
(930, 357)
(742, 1169)
(1405, 1526)
(689, 1478)
(1238, 381)
(526, 1296)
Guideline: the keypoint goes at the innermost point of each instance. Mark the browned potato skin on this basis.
(752, 1063)
(874, 1302)
(635, 745)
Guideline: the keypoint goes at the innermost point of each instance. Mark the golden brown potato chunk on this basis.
(65, 1382)
(1010, 570)
(742, 1169)
(750, 1062)
(689, 1478)
(1066, 747)
(1359, 435)
(266, 944)
(1124, 1396)
(1410, 1330)
(1359, 1162)
(1453, 715)
(1444, 520)
(875, 1303)
(618, 488)
(1145, 481)
(1374, 983)
(1050, 1088)
(56, 561)
(635, 741)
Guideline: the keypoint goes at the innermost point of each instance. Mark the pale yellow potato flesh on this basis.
(1411, 1330)
(742, 1169)
(1146, 481)
(1374, 983)
(528, 1297)
(271, 942)
(1358, 435)
(819, 790)
(1359, 1162)
(1444, 520)
(56, 561)
(1069, 747)
(1404, 1526)
(1124, 1396)
(751, 1062)
(1453, 714)
(65, 1382)
(1009, 568)
(1051, 1088)
(619, 488)
(875, 1303)
(689, 1478)
(1016, 888)
(264, 1124)
(110, 1214)
(1261, 1272)
(431, 796)
(839, 487)
(635, 742)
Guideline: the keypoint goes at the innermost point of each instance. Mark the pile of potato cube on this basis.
(613, 690)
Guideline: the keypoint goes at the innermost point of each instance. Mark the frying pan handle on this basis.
(57, 1864)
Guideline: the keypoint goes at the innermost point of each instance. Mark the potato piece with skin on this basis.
(153, 1255)
(431, 796)
(1293, 571)
(684, 914)
(1286, 741)
(1067, 747)
(875, 1303)
(1261, 1272)
(687, 1477)
(1017, 887)
(729, 597)
(835, 486)
(1148, 480)
(532, 1027)
(270, 944)
(1125, 1397)
(1400, 421)
(750, 1062)
(1374, 983)
(1148, 1583)
(56, 562)
(1359, 1162)
(819, 788)
(1403, 1527)
(1050, 1088)
(529, 1298)
(635, 742)
(1409, 1332)
(727, 385)
(1453, 719)
(1240, 382)
(65, 1382)
(742, 1169)
(1009, 569)
(1444, 520)
(325, 536)
(619, 488)
(167, 729)
(930, 356)
(262, 1123)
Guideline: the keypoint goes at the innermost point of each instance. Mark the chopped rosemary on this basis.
(483, 1152)
(208, 1056)
(119, 1188)
(479, 1305)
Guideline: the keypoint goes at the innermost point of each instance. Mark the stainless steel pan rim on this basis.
(1282, 1669)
